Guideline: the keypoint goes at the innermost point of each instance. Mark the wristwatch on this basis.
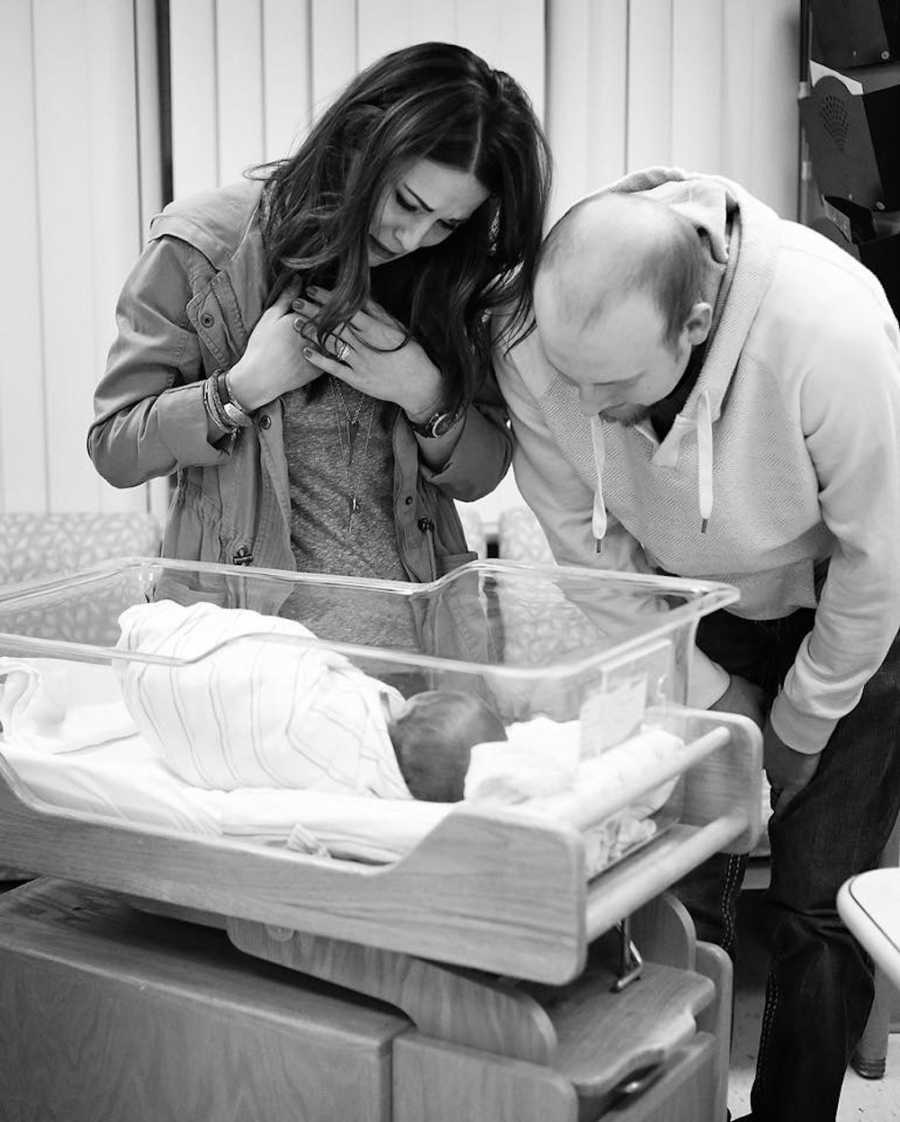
(438, 424)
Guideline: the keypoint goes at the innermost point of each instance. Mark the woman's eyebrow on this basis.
(419, 199)
(430, 209)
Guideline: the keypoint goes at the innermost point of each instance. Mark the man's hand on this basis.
(788, 770)
(744, 698)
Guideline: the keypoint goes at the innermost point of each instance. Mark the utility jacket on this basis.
(186, 311)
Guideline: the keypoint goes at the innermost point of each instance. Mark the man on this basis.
(712, 391)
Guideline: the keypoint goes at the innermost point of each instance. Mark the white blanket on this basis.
(255, 701)
(116, 773)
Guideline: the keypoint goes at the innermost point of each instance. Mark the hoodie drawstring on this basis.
(598, 516)
(704, 459)
(703, 429)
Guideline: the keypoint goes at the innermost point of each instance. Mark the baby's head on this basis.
(433, 734)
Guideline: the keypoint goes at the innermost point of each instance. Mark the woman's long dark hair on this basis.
(434, 101)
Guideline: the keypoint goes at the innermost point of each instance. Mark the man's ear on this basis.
(698, 323)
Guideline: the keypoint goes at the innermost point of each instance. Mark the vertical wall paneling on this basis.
(239, 82)
(776, 137)
(114, 196)
(696, 79)
(385, 25)
(568, 117)
(149, 149)
(150, 173)
(510, 35)
(649, 124)
(759, 95)
(334, 49)
(74, 227)
(23, 468)
(195, 162)
(287, 78)
(607, 140)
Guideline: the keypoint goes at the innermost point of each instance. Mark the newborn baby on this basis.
(247, 700)
(433, 735)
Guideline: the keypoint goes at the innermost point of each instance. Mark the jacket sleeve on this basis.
(149, 418)
(482, 455)
(850, 410)
(563, 504)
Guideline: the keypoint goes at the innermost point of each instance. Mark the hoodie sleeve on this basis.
(850, 410)
(563, 504)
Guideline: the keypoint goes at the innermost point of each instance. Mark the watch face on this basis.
(440, 423)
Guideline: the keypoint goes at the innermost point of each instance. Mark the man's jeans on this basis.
(820, 989)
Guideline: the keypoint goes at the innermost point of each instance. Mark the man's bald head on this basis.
(611, 245)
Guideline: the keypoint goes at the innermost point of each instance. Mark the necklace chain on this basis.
(352, 470)
(338, 388)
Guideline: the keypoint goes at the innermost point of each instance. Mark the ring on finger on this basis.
(342, 350)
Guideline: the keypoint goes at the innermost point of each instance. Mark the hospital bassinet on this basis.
(504, 961)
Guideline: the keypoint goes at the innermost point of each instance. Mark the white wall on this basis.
(704, 84)
(80, 175)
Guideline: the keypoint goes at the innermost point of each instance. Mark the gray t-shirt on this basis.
(340, 456)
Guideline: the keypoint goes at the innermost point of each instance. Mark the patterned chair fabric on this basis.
(36, 545)
(520, 537)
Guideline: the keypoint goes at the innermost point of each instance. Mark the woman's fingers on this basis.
(286, 297)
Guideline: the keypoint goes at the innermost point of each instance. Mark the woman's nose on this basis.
(412, 233)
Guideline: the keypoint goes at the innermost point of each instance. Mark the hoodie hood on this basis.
(741, 237)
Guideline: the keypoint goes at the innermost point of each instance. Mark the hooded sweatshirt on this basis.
(780, 474)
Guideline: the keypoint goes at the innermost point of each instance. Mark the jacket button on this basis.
(207, 319)
(265, 421)
(408, 500)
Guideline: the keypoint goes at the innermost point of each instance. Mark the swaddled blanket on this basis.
(255, 702)
(68, 737)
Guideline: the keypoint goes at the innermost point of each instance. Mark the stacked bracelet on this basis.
(231, 407)
(221, 407)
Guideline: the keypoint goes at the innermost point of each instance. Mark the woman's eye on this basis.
(403, 202)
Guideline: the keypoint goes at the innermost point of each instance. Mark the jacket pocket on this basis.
(447, 562)
(194, 526)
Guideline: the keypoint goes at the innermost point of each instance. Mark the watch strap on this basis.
(440, 422)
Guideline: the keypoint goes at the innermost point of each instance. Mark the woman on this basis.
(310, 350)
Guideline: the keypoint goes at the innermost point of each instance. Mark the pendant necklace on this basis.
(342, 413)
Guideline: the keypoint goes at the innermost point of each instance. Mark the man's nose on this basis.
(595, 398)
(591, 399)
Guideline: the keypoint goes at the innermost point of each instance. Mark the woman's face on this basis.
(422, 207)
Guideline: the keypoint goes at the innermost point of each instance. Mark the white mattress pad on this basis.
(67, 738)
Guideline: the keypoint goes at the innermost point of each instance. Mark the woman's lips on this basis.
(380, 249)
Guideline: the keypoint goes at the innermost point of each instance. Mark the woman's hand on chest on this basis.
(274, 361)
(374, 354)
